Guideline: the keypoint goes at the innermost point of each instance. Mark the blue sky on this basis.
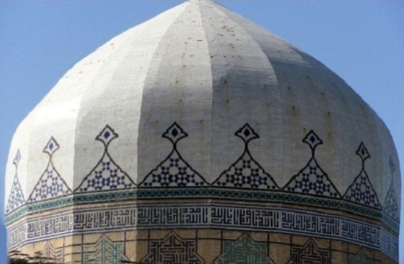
(362, 41)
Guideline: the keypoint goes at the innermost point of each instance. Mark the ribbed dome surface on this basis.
(199, 137)
(211, 71)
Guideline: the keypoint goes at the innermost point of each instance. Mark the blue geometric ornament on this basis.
(173, 171)
(246, 172)
(312, 179)
(50, 184)
(361, 190)
(390, 206)
(106, 175)
(16, 197)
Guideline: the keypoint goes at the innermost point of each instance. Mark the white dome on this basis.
(210, 72)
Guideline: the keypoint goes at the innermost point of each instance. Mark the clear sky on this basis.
(362, 41)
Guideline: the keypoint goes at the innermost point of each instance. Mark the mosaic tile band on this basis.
(206, 216)
(174, 171)
(211, 193)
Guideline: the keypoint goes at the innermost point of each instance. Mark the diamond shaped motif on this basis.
(312, 179)
(246, 133)
(51, 147)
(312, 140)
(17, 158)
(362, 152)
(107, 135)
(16, 197)
(50, 184)
(173, 171)
(175, 133)
(361, 190)
(246, 172)
(391, 165)
(106, 175)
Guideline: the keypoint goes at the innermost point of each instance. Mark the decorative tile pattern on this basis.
(244, 250)
(363, 153)
(361, 190)
(106, 175)
(389, 244)
(312, 179)
(392, 166)
(51, 255)
(104, 251)
(106, 136)
(16, 197)
(260, 218)
(51, 184)
(51, 147)
(246, 172)
(209, 193)
(312, 140)
(174, 171)
(172, 249)
(310, 253)
(359, 258)
(390, 206)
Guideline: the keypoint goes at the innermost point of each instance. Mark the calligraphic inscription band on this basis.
(204, 216)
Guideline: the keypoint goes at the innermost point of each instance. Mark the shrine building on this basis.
(201, 137)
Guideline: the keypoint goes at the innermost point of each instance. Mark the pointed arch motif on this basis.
(246, 172)
(16, 198)
(106, 175)
(174, 171)
(50, 184)
(361, 190)
(390, 206)
(312, 179)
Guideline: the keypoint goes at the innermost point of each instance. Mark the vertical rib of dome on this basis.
(123, 81)
(178, 88)
(242, 76)
(284, 59)
(58, 109)
(196, 136)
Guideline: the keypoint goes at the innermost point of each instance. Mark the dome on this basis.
(199, 128)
